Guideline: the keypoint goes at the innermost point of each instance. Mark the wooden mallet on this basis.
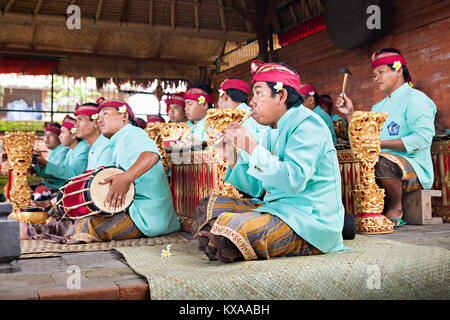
(346, 72)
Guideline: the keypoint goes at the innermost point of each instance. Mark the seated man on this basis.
(57, 154)
(405, 162)
(87, 129)
(151, 213)
(175, 107)
(76, 159)
(302, 211)
(198, 99)
(311, 101)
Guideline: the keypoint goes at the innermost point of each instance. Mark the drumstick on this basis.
(220, 136)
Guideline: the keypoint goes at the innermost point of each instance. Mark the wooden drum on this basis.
(440, 154)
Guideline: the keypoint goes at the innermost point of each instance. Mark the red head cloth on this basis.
(177, 98)
(119, 104)
(274, 72)
(155, 118)
(51, 127)
(235, 84)
(307, 90)
(85, 109)
(196, 94)
(141, 122)
(325, 101)
(68, 122)
(387, 58)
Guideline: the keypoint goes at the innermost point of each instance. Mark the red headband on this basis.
(274, 72)
(155, 118)
(177, 98)
(68, 122)
(196, 93)
(307, 90)
(117, 103)
(48, 126)
(387, 58)
(85, 109)
(235, 84)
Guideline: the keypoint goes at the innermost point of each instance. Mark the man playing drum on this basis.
(405, 162)
(302, 211)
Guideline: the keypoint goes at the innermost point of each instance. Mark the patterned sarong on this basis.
(231, 224)
(89, 229)
(391, 165)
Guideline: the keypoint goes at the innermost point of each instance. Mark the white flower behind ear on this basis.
(397, 65)
(73, 130)
(278, 86)
(201, 99)
(94, 116)
(221, 92)
(123, 109)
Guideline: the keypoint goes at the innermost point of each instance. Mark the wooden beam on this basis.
(162, 45)
(99, 43)
(14, 18)
(89, 54)
(172, 14)
(37, 7)
(305, 8)
(150, 13)
(196, 18)
(293, 15)
(99, 9)
(124, 11)
(222, 16)
(182, 71)
(248, 24)
(8, 5)
(35, 36)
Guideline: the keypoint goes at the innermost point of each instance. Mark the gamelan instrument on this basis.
(84, 195)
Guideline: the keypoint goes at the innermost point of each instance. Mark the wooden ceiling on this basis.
(170, 39)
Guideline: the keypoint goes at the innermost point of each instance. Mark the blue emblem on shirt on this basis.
(393, 128)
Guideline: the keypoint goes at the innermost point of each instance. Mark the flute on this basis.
(220, 136)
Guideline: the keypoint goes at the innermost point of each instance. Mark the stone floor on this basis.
(106, 275)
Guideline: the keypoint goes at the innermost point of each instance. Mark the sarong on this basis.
(89, 229)
(228, 230)
(391, 165)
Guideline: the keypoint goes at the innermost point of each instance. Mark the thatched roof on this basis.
(171, 39)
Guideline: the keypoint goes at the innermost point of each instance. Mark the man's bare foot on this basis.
(394, 213)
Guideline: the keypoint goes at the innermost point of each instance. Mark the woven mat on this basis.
(373, 269)
(43, 248)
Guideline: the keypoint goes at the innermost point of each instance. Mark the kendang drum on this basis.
(84, 195)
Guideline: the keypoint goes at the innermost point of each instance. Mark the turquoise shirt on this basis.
(410, 118)
(74, 164)
(299, 170)
(152, 210)
(199, 130)
(100, 154)
(335, 117)
(326, 117)
(56, 156)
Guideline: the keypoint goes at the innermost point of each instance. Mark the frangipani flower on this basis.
(201, 99)
(166, 253)
(123, 109)
(221, 92)
(311, 93)
(397, 65)
(278, 86)
(73, 130)
(94, 116)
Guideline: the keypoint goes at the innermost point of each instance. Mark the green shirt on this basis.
(298, 168)
(152, 210)
(410, 118)
(56, 156)
(100, 154)
(326, 117)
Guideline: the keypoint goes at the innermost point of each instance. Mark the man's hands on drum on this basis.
(120, 184)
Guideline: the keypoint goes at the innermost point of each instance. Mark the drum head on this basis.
(99, 191)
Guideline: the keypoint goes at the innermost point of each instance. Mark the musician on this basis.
(405, 161)
(77, 157)
(175, 107)
(311, 101)
(87, 129)
(152, 212)
(198, 99)
(57, 154)
(302, 211)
